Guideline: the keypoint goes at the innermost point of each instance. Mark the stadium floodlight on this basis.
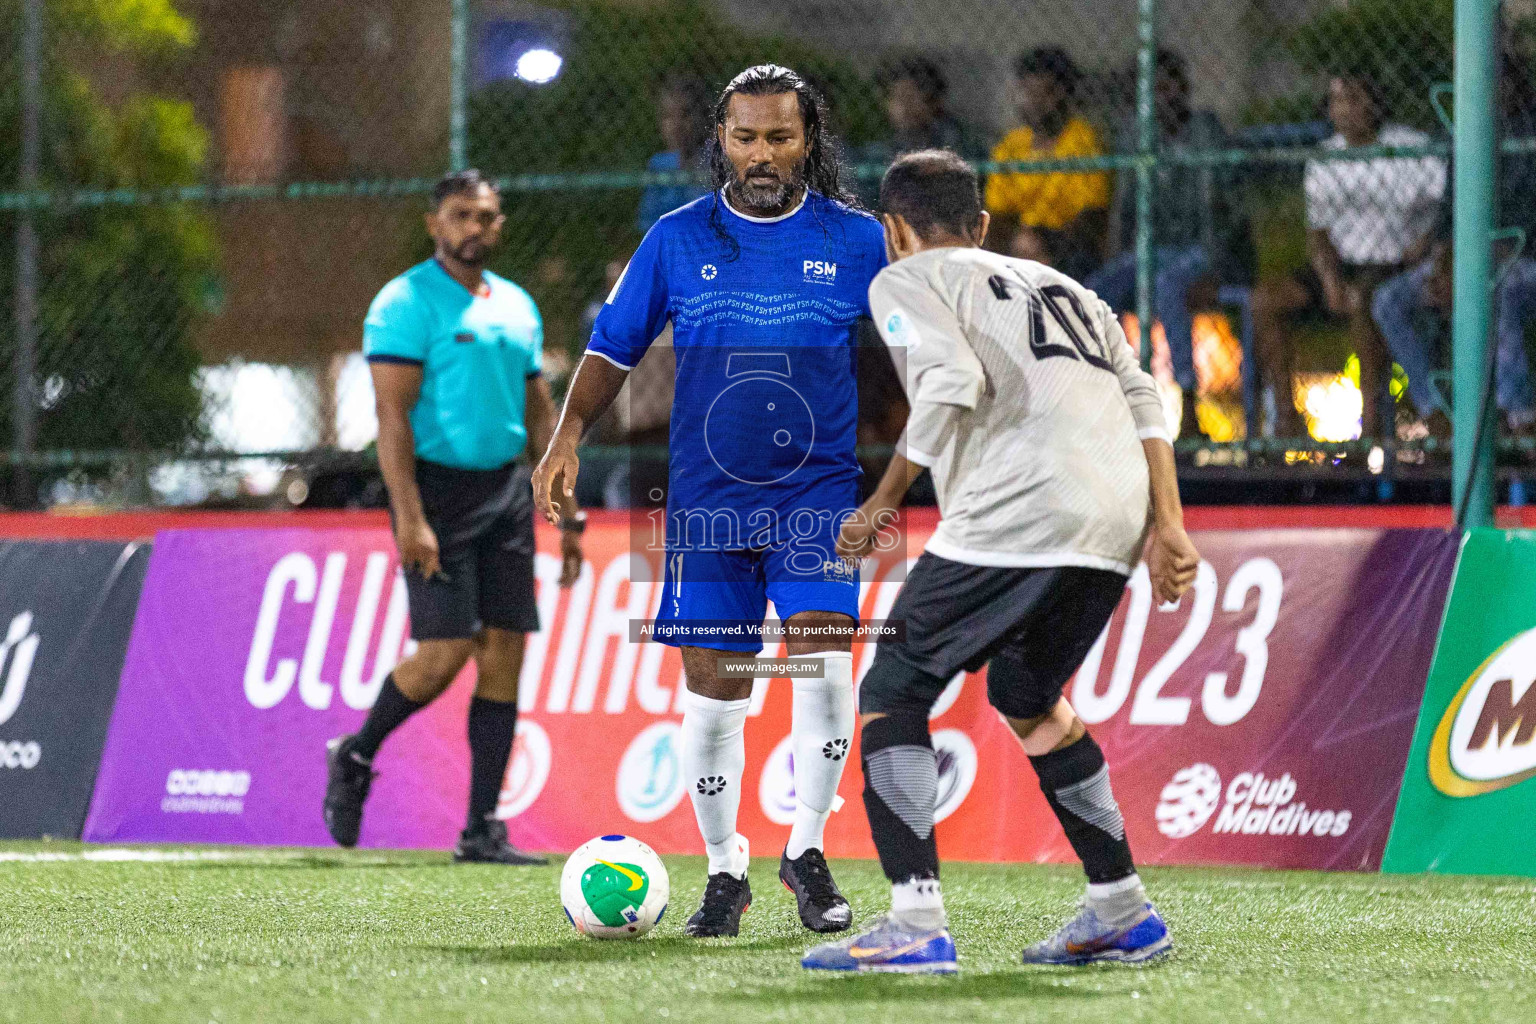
(539, 65)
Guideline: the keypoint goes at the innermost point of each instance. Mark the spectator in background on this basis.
(682, 117)
(1366, 220)
(1057, 217)
(915, 90)
(639, 418)
(1195, 231)
(1402, 304)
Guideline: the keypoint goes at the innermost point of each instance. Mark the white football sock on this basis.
(823, 736)
(1120, 903)
(918, 904)
(714, 758)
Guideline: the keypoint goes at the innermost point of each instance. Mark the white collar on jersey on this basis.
(764, 220)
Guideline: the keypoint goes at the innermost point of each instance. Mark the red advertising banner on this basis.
(1265, 720)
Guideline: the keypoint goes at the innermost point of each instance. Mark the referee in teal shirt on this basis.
(455, 353)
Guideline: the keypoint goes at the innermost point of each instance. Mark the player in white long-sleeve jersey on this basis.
(1055, 475)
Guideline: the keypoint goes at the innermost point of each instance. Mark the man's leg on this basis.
(901, 782)
(822, 732)
(1075, 780)
(715, 754)
(714, 759)
(715, 586)
(822, 726)
(414, 684)
(492, 729)
(1179, 269)
(1024, 683)
(1395, 308)
(1117, 923)
(1273, 303)
(445, 619)
(492, 718)
(445, 622)
(1378, 418)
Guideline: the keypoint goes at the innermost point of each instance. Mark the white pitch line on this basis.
(153, 856)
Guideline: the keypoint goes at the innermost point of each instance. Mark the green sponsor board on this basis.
(1468, 802)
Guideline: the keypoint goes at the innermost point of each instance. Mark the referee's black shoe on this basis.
(348, 779)
(486, 843)
(822, 907)
(726, 897)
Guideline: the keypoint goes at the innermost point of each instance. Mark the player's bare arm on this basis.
(596, 384)
(396, 386)
(1171, 557)
(857, 536)
(539, 415)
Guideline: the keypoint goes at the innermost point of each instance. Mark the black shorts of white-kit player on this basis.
(1030, 627)
(483, 520)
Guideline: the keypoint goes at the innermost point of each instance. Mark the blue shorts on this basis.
(717, 599)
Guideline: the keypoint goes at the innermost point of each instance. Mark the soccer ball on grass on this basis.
(614, 887)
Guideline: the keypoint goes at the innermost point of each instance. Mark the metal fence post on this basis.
(1146, 148)
(458, 127)
(24, 405)
(1476, 90)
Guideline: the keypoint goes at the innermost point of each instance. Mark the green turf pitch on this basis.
(291, 936)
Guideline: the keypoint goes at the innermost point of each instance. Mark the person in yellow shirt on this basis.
(1057, 218)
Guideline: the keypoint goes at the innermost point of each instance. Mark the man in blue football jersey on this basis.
(764, 282)
(455, 353)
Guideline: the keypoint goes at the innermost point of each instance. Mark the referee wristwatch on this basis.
(574, 524)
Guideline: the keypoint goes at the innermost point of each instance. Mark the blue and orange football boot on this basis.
(1087, 940)
(887, 946)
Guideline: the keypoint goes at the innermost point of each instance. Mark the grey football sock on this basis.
(1121, 903)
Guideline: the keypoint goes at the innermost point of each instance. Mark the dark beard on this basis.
(765, 195)
(471, 254)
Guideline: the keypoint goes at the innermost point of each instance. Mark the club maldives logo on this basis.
(1256, 805)
(1486, 740)
(1188, 801)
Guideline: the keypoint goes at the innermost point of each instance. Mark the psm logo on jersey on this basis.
(839, 569)
(820, 272)
(708, 271)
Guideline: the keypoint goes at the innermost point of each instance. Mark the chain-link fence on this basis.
(207, 195)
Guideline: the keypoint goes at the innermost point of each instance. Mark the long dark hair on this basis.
(823, 172)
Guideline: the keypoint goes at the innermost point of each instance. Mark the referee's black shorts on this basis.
(484, 525)
(1031, 627)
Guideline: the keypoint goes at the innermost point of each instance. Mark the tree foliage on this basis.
(119, 285)
(600, 114)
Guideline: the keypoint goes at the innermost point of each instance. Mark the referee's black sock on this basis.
(492, 724)
(391, 709)
(1075, 781)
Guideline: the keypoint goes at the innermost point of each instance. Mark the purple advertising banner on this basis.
(250, 649)
(1265, 719)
